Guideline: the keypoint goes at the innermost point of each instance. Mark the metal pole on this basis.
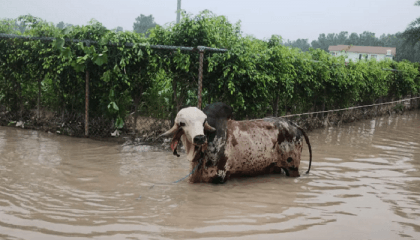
(178, 11)
(38, 112)
(87, 105)
(200, 79)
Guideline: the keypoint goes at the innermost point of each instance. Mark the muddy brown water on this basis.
(365, 184)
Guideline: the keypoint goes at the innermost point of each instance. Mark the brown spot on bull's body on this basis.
(288, 136)
(280, 137)
(284, 135)
(269, 127)
(222, 163)
(203, 174)
(242, 127)
(234, 142)
(197, 176)
(198, 155)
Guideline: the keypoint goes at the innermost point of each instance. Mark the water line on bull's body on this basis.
(195, 169)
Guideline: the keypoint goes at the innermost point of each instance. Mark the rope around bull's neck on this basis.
(195, 169)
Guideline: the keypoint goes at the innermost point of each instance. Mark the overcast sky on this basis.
(292, 19)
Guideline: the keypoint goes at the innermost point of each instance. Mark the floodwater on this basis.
(364, 184)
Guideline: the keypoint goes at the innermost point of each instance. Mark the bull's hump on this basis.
(247, 126)
(257, 132)
(218, 111)
(288, 131)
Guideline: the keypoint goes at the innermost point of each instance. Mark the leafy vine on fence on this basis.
(257, 77)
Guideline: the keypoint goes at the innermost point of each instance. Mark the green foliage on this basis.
(9, 26)
(256, 77)
(61, 68)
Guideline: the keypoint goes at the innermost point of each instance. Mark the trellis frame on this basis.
(200, 49)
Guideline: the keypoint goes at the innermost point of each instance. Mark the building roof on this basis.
(363, 49)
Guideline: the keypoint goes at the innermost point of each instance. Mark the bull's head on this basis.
(190, 124)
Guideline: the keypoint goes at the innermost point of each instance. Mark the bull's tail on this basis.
(310, 149)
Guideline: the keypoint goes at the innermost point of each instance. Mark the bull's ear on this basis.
(209, 128)
(170, 132)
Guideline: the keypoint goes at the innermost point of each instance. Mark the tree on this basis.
(60, 25)
(353, 39)
(303, 44)
(144, 23)
(368, 39)
(275, 40)
(342, 37)
(331, 39)
(412, 33)
(321, 43)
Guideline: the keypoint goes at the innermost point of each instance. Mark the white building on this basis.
(356, 53)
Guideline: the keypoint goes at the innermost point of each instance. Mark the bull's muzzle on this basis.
(200, 139)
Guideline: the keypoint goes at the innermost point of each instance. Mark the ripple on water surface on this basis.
(364, 184)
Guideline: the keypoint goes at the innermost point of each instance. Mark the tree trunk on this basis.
(87, 104)
(38, 113)
(276, 105)
(323, 104)
(180, 100)
(63, 108)
(136, 106)
(174, 102)
(21, 106)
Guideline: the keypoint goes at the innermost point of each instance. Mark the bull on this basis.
(220, 148)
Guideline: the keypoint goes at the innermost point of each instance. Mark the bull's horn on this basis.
(209, 128)
(169, 132)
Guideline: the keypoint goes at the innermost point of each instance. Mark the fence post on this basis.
(175, 101)
(87, 104)
(38, 112)
(200, 77)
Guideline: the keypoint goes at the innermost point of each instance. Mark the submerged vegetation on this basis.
(257, 77)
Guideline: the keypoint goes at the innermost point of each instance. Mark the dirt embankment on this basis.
(148, 128)
(100, 128)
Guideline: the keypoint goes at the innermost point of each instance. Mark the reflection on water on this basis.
(365, 184)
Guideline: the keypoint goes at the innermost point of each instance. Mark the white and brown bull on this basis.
(223, 148)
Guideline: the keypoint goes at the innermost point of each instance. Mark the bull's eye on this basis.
(182, 124)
